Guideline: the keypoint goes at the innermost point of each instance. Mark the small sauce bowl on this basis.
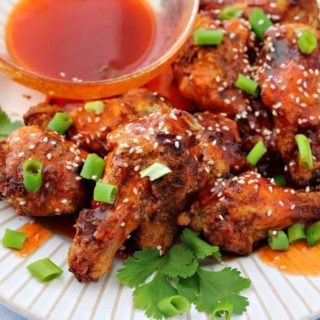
(174, 21)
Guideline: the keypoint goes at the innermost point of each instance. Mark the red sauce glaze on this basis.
(63, 225)
(81, 39)
(37, 235)
(167, 87)
(300, 259)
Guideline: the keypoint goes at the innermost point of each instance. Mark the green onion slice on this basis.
(278, 240)
(305, 151)
(174, 306)
(155, 171)
(96, 107)
(60, 123)
(93, 167)
(313, 234)
(260, 22)
(248, 85)
(207, 37)
(32, 175)
(257, 152)
(44, 270)
(307, 42)
(14, 239)
(104, 192)
(222, 309)
(296, 233)
(230, 13)
(280, 180)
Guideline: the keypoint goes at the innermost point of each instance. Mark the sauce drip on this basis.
(37, 235)
(300, 259)
(81, 39)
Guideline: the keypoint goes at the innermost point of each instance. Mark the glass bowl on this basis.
(174, 21)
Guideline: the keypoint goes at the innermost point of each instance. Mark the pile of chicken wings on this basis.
(211, 188)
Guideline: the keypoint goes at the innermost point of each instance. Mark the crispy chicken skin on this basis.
(302, 11)
(289, 83)
(62, 191)
(237, 213)
(157, 138)
(207, 74)
(89, 131)
(219, 147)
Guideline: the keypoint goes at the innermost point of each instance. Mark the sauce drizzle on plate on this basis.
(37, 235)
(299, 260)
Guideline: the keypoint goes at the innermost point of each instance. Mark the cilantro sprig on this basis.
(6, 125)
(156, 278)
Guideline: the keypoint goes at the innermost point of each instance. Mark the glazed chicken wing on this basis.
(207, 74)
(62, 190)
(302, 11)
(218, 150)
(166, 139)
(289, 83)
(237, 213)
(89, 131)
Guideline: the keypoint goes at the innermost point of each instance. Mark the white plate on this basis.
(273, 295)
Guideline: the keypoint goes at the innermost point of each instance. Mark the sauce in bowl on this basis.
(81, 40)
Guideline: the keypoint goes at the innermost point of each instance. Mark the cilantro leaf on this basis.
(189, 287)
(137, 269)
(180, 261)
(238, 302)
(149, 295)
(6, 125)
(220, 286)
(200, 248)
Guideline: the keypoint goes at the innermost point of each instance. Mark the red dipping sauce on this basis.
(81, 39)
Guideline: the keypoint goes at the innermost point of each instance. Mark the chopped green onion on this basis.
(32, 175)
(248, 85)
(257, 152)
(104, 192)
(96, 107)
(14, 239)
(307, 42)
(313, 234)
(207, 37)
(60, 123)
(296, 233)
(174, 306)
(305, 151)
(223, 308)
(260, 22)
(230, 13)
(280, 180)
(278, 240)
(44, 270)
(155, 171)
(93, 167)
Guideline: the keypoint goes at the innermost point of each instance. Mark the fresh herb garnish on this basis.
(7, 126)
(157, 277)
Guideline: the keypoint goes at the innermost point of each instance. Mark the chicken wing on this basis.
(302, 11)
(289, 83)
(235, 214)
(207, 74)
(62, 190)
(89, 131)
(158, 138)
(218, 152)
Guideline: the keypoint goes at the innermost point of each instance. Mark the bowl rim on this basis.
(12, 67)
